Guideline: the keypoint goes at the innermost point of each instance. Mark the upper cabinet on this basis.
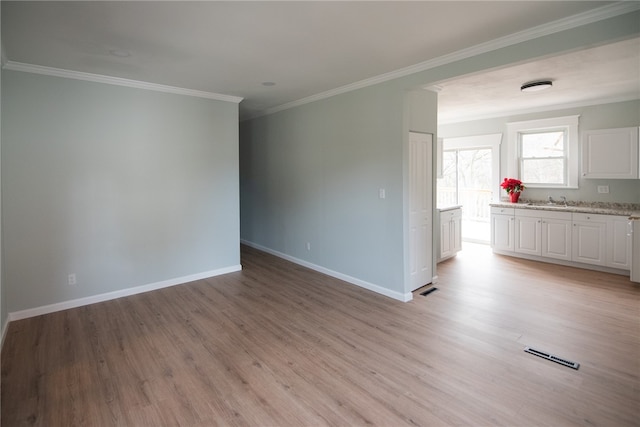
(611, 153)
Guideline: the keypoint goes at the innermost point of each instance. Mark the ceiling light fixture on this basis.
(536, 86)
(268, 84)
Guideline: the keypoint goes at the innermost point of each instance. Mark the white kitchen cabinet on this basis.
(527, 232)
(571, 238)
(556, 235)
(611, 153)
(450, 233)
(502, 227)
(618, 253)
(588, 233)
(543, 233)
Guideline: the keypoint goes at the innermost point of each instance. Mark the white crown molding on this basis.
(98, 78)
(585, 18)
(557, 107)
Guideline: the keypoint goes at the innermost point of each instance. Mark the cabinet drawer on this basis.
(502, 211)
(449, 215)
(556, 215)
(589, 217)
(528, 213)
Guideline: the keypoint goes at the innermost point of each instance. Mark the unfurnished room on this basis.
(318, 213)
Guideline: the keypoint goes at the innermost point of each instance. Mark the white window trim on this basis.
(492, 141)
(569, 123)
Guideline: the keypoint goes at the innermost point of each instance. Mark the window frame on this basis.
(492, 141)
(567, 124)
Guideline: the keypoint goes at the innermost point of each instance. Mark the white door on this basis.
(420, 208)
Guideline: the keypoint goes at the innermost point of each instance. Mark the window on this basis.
(543, 158)
(544, 153)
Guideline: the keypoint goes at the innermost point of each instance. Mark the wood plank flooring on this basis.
(279, 345)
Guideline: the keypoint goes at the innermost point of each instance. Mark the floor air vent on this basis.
(428, 291)
(553, 358)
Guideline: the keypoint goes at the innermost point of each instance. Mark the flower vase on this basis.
(513, 196)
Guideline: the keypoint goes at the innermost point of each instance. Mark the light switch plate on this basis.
(603, 189)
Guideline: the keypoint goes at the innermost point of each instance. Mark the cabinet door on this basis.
(556, 238)
(610, 153)
(502, 232)
(527, 235)
(589, 240)
(446, 248)
(456, 225)
(619, 243)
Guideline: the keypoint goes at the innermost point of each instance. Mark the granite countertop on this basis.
(632, 210)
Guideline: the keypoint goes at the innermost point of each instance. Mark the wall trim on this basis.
(4, 334)
(583, 266)
(352, 280)
(117, 81)
(585, 18)
(555, 107)
(51, 308)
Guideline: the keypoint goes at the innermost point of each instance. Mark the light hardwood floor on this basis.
(280, 345)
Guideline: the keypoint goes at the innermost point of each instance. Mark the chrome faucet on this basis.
(564, 200)
(550, 201)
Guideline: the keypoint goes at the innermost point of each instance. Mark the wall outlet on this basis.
(603, 189)
(382, 193)
(308, 246)
(72, 279)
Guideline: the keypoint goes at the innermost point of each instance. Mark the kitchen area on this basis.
(596, 235)
(569, 227)
(581, 201)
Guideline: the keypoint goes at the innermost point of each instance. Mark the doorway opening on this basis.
(469, 174)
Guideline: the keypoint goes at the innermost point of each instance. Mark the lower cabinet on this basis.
(527, 232)
(556, 236)
(589, 233)
(502, 226)
(618, 253)
(603, 240)
(543, 233)
(450, 233)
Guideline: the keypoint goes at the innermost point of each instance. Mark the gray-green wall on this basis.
(312, 175)
(123, 187)
(605, 116)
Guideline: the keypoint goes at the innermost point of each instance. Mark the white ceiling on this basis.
(609, 73)
(306, 48)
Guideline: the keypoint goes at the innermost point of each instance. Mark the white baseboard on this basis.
(354, 281)
(4, 333)
(45, 309)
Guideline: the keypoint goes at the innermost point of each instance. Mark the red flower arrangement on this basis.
(512, 185)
